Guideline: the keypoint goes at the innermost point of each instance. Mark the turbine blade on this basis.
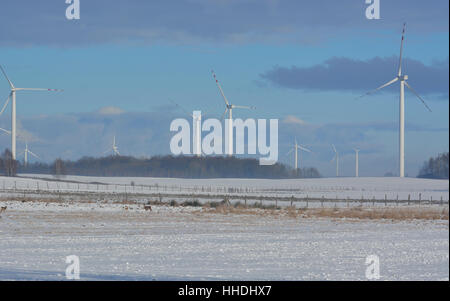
(181, 107)
(418, 96)
(6, 76)
(224, 113)
(39, 89)
(6, 131)
(304, 149)
(244, 107)
(33, 154)
(220, 88)
(290, 151)
(401, 50)
(334, 148)
(379, 88)
(5, 105)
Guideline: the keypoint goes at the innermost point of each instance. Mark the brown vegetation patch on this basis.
(371, 213)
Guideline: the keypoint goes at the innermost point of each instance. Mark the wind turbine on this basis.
(356, 162)
(12, 95)
(25, 154)
(114, 148)
(296, 149)
(229, 108)
(403, 82)
(336, 157)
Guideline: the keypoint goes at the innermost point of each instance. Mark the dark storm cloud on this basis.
(344, 74)
(30, 22)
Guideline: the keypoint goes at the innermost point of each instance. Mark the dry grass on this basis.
(391, 213)
(224, 207)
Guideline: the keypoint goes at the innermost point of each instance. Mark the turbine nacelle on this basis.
(402, 78)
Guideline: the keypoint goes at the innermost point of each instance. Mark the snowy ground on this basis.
(184, 243)
(329, 188)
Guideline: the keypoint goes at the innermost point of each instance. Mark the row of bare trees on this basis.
(9, 166)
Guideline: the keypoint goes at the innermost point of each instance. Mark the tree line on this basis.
(435, 168)
(160, 166)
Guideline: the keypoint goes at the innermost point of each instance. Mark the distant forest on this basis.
(169, 166)
(435, 168)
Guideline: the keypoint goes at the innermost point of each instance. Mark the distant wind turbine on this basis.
(12, 95)
(336, 157)
(356, 162)
(229, 108)
(403, 82)
(296, 149)
(114, 148)
(25, 154)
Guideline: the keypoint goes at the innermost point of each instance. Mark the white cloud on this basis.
(110, 111)
(290, 119)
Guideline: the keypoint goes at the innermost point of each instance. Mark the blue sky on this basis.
(303, 62)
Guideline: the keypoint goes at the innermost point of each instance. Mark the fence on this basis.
(99, 191)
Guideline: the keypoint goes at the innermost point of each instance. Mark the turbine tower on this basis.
(356, 162)
(403, 82)
(25, 154)
(296, 149)
(229, 108)
(114, 148)
(336, 157)
(12, 95)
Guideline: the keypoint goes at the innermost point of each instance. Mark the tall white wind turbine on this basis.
(403, 82)
(356, 162)
(298, 153)
(25, 154)
(12, 95)
(229, 108)
(114, 148)
(336, 157)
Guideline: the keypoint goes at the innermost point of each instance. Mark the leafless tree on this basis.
(8, 164)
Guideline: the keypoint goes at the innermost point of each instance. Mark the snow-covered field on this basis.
(186, 243)
(343, 188)
(192, 243)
